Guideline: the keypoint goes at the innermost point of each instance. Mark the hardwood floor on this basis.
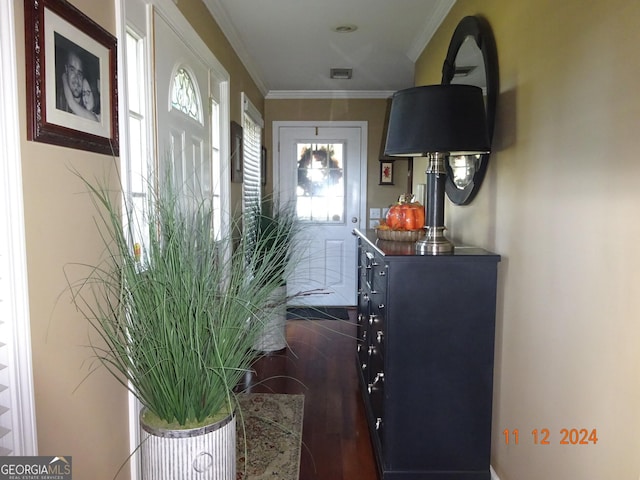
(320, 363)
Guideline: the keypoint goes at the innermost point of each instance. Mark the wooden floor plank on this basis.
(320, 363)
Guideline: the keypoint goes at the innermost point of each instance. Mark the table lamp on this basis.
(436, 121)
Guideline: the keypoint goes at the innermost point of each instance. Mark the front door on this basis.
(187, 96)
(321, 169)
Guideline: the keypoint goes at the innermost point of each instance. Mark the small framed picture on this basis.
(263, 166)
(386, 173)
(236, 152)
(71, 64)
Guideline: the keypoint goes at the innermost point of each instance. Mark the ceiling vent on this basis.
(347, 28)
(341, 73)
(463, 71)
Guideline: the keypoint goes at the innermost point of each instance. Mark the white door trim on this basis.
(363, 125)
(14, 289)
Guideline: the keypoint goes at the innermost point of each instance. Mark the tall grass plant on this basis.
(177, 319)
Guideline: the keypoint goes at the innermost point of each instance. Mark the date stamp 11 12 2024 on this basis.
(544, 436)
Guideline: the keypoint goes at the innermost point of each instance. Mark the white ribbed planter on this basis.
(206, 453)
(272, 337)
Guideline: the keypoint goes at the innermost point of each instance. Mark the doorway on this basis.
(320, 170)
(184, 112)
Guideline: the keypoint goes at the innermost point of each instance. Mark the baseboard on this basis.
(494, 475)
(317, 313)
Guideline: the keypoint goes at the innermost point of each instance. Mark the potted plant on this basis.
(177, 321)
(276, 229)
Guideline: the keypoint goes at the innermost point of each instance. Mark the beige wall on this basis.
(560, 204)
(372, 111)
(85, 419)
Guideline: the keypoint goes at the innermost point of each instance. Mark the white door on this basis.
(322, 170)
(185, 100)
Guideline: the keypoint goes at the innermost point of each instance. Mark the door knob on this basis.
(354, 219)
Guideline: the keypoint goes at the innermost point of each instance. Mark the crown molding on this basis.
(327, 94)
(223, 20)
(424, 37)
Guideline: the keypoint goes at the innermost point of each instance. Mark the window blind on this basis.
(252, 125)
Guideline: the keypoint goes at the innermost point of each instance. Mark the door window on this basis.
(184, 95)
(320, 189)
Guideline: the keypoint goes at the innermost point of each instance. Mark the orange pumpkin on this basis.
(406, 214)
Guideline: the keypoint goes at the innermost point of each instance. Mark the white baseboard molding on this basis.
(494, 475)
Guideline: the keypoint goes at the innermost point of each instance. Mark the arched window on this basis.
(184, 95)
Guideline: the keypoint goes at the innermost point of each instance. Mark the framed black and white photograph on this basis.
(386, 173)
(71, 78)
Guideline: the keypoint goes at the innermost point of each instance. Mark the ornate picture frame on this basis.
(72, 91)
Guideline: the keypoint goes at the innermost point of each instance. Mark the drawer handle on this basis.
(373, 386)
(381, 306)
(379, 336)
(378, 423)
(373, 318)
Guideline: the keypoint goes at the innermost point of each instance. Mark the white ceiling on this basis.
(289, 47)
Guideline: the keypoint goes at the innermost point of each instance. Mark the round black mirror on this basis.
(472, 59)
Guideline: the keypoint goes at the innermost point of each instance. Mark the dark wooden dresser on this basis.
(426, 327)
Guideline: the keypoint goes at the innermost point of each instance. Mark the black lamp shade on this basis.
(437, 118)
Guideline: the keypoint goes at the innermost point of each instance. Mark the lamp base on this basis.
(434, 242)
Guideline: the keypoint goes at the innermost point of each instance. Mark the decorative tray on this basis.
(399, 235)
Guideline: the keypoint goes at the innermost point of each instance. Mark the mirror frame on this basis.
(478, 28)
